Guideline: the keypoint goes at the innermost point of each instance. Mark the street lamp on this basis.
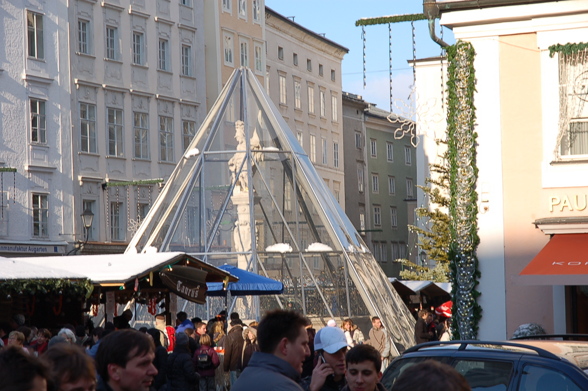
(87, 219)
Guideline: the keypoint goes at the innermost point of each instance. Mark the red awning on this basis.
(563, 261)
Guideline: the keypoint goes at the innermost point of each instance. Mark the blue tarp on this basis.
(248, 284)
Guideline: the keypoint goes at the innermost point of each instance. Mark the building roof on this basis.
(310, 32)
(460, 5)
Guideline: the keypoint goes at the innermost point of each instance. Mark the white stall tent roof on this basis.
(105, 269)
(20, 269)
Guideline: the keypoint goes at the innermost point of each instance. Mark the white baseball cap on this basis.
(330, 339)
(332, 323)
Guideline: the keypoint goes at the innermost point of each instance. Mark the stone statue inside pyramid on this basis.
(245, 193)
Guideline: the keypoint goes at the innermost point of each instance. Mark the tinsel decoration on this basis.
(390, 19)
(463, 175)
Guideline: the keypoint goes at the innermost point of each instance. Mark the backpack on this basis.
(203, 360)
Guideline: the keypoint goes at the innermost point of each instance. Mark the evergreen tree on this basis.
(434, 242)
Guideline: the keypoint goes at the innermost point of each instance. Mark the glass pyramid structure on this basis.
(245, 193)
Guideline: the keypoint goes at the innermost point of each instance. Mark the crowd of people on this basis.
(282, 351)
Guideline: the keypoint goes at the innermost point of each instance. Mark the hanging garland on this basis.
(32, 287)
(568, 48)
(390, 19)
(133, 183)
(463, 174)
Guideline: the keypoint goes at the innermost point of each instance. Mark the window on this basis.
(332, 75)
(358, 138)
(309, 65)
(116, 225)
(407, 155)
(138, 48)
(360, 178)
(535, 377)
(295, 59)
(393, 217)
(391, 185)
(115, 132)
(228, 50)
(297, 100)
(91, 206)
(282, 89)
(35, 35)
(575, 141)
(142, 211)
(322, 103)
(163, 63)
(395, 251)
(383, 252)
(280, 53)
(377, 215)
(313, 148)
(166, 139)
(83, 36)
(244, 54)
(88, 128)
(112, 43)
(300, 137)
(362, 223)
(320, 69)
(258, 58)
(409, 188)
(186, 60)
(38, 123)
(376, 250)
(187, 3)
(40, 215)
(311, 99)
(227, 5)
(375, 183)
(242, 9)
(334, 108)
(373, 147)
(336, 154)
(324, 150)
(188, 132)
(256, 11)
(389, 151)
(141, 130)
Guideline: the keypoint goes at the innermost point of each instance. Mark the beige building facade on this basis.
(303, 79)
(532, 181)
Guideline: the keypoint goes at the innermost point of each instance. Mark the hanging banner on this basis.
(186, 282)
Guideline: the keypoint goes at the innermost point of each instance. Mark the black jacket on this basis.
(181, 374)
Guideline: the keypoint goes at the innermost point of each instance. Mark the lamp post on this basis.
(87, 219)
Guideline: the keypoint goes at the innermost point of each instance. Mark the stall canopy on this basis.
(118, 269)
(563, 261)
(248, 284)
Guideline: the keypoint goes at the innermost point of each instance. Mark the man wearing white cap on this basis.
(330, 346)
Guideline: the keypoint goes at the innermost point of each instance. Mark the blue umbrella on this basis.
(248, 284)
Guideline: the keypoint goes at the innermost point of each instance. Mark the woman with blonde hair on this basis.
(218, 334)
(353, 334)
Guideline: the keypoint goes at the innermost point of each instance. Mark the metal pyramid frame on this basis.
(245, 193)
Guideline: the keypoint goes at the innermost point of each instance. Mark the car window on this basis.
(485, 375)
(396, 368)
(538, 378)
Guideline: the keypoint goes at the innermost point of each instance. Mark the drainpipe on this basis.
(431, 11)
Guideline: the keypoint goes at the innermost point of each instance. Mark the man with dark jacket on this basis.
(421, 330)
(180, 370)
(233, 351)
(283, 345)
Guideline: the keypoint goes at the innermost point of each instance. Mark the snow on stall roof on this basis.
(103, 268)
(20, 269)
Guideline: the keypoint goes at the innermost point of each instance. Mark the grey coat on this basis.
(267, 372)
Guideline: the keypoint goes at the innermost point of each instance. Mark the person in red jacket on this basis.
(206, 361)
